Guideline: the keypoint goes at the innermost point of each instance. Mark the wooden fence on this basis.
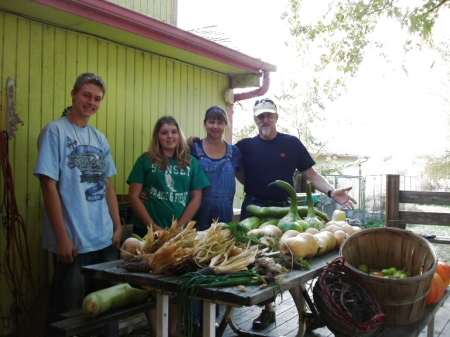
(399, 218)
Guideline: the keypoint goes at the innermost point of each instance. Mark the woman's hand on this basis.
(143, 196)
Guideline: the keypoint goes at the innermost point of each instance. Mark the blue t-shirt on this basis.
(265, 161)
(79, 159)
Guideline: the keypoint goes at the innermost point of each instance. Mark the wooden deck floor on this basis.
(286, 324)
(287, 321)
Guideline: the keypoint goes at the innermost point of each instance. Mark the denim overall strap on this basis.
(229, 153)
(199, 150)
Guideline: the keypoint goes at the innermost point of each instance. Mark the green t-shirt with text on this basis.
(169, 190)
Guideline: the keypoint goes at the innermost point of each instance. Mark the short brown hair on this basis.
(89, 78)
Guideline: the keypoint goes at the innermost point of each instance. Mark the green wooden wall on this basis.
(44, 62)
(158, 9)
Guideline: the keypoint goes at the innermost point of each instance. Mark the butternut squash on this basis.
(326, 241)
(303, 245)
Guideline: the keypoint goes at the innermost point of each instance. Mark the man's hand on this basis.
(65, 251)
(192, 139)
(342, 198)
(117, 237)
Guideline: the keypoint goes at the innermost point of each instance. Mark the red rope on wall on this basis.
(16, 264)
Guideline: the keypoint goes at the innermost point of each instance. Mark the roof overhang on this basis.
(115, 23)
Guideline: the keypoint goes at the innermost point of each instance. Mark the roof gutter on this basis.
(231, 98)
(122, 18)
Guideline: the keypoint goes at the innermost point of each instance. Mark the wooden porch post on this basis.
(392, 201)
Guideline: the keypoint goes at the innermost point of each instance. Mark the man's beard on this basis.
(265, 132)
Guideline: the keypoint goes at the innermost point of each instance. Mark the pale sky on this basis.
(389, 112)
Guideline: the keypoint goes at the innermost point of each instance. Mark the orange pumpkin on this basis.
(443, 269)
(436, 291)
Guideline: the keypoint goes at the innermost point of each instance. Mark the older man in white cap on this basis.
(271, 156)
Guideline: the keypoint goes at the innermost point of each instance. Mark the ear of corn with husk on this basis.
(174, 255)
(237, 262)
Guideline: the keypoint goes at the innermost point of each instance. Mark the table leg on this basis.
(162, 315)
(224, 321)
(209, 319)
(301, 308)
(430, 328)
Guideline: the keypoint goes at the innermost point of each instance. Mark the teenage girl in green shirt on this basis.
(173, 180)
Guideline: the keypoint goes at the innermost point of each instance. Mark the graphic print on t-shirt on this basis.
(169, 181)
(91, 162)
(173, 185)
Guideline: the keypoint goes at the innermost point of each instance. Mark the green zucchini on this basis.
(113, 297)
(252, 222)
(269, 222)
(279, 212)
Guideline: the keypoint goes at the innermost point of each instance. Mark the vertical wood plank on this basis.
(101, 70)
(71, 72)
(121, 103)
(147, 118)
(392, 201)
(138, 126)
(162, 78)
(109, 108)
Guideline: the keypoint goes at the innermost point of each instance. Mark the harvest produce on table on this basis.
(286, 235)
(258, 250)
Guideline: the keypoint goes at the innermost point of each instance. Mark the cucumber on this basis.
(279, 212)
(113, 297)
(252, 222)
(270, 222)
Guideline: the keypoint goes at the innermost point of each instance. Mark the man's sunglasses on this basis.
(264, 100)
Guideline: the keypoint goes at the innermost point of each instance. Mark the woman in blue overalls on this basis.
(219, 160)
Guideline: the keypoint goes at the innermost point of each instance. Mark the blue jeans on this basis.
(69, 287)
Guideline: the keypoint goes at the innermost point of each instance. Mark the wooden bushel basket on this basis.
(402, 300)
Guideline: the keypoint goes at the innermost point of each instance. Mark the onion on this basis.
(129, 248)
(312, 231)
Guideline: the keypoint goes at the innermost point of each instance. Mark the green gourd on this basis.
(310, 218)
(292, 215)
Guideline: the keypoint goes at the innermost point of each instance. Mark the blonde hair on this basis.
(181, 156)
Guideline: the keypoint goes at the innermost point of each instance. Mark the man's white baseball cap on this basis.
(264, 105)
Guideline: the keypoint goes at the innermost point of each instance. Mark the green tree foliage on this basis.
(344, 31)
(436, 170)
(339, 38)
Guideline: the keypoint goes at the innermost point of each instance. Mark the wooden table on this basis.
(165, 286)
